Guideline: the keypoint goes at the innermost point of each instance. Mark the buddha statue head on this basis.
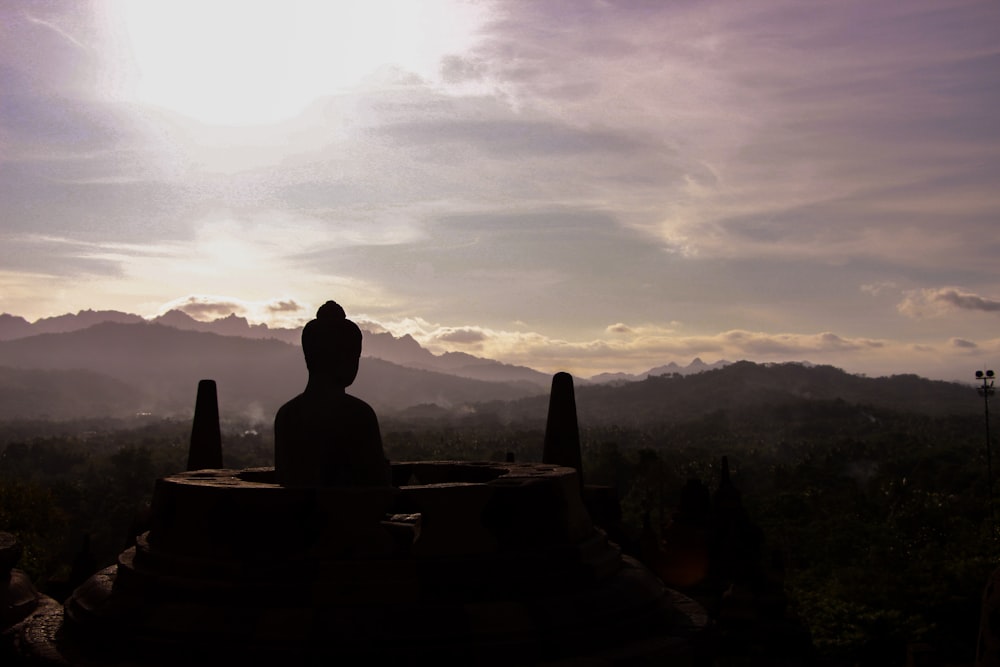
(331, 344)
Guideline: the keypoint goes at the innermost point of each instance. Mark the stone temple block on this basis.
(461, 563)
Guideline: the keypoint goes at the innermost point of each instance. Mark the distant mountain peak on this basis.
(671, 368)
(230, 325)
(13, 326)
(174, 315)
(404, 350)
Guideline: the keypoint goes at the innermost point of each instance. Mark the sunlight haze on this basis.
(582, 186)
(239, 62)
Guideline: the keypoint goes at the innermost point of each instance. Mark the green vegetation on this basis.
(881, 515)
(92, 477)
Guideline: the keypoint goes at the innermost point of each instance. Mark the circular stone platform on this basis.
(460, 563)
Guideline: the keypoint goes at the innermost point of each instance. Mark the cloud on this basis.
(65, 33)
(876, 289)
(756, 344)
(938, 301)
(466, 336)
(456, 69)
(59, 31)
(92, 198)
(515, 139)
(648, 346)
(571, 165)
(38, 254)
(207, 308)
(284, 307)
(273, 312)
(827, 138)
(962, 343)
(967, 301)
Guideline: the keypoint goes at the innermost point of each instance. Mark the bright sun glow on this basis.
(245, 62)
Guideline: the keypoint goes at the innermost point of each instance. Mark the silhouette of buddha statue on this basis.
(324, 436)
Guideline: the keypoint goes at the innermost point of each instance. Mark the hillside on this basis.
(119, 368)
(696, 366)
(403, 350)
(162, 366)
(745, 387)
(65, 394)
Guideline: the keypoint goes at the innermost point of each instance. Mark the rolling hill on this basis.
(162, 366)
(744, 387)
(124, 364)
(403, 350)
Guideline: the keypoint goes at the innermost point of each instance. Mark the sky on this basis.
(581, 185)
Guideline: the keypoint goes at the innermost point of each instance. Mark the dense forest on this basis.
(880, 514)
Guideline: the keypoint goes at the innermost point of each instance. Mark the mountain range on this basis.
(162, 366)
(673, 368)
(404, 350)
(108, 363)
(769, 391)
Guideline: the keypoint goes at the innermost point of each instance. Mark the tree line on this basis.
(881, 516)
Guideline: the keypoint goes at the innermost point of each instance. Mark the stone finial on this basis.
(562, 433)
(206, 439)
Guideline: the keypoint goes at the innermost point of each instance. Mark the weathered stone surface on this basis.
(18, 598)
(451, 519)
(20, 601)
(219, 514)
(512, 573)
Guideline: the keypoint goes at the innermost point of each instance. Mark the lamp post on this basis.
(986, 390)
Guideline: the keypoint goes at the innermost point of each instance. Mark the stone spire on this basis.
(562, 434)
(206, 439)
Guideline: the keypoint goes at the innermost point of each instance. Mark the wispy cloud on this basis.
(638, 348)
(703, 176)
(289, 306)
(205, 307)
(799, 131)
(876, 289)
(461, 337)
(934, 302)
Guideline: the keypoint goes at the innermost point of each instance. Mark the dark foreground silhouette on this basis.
(324, 436)
(339, 557)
